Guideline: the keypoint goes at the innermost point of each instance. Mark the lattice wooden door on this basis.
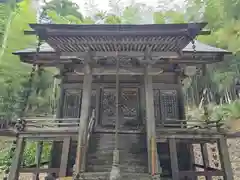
(128, 107)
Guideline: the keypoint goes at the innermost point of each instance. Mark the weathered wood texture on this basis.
(14, 170)
(128, 111)
(204, 152)
(150, 123)
(224, 156)
(39, 148)
(57, 146)
(174, 159)
(164, 158)
(64, 157)
(84, 116)
(133, 153)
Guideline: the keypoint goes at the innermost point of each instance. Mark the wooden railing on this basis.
(52, 122)
(189, 124)
(71, 124)
(41, 125)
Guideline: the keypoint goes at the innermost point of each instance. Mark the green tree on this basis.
(64, 8)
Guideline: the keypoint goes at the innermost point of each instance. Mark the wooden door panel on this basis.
(129, 103)
(128, 107)
(108, 107)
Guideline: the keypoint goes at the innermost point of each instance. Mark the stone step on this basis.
(132, 152)
(105, 176)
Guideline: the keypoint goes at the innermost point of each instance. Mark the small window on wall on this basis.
(169, 104)
(72, 103)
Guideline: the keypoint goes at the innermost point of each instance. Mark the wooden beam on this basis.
(39, 170)
(39, 148)
(225, 160)
(14, 170)
(65, 156)
(75, 55)
(85, 107)
(193, 174)
(49, 63)
(77, 32)
(173, 158)
(122, 71)
(121, 131)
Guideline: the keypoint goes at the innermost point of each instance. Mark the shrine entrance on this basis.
(129, 99)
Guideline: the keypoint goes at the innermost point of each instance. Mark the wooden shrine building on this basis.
(121, 88)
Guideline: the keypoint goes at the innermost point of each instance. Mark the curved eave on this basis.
(119, 37)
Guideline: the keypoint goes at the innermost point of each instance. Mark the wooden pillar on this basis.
(14, 170)
(192, 158)
(65, 156)
(56, 146)
(84, 118)
(225, 160)
(204, 152)
(39, 148)
(153, 162)
(59, 113)
(98, 99)
(174, 159)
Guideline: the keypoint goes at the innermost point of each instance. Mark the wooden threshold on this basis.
(105, 175)
(39, 170)
(120, 131)
(200, 173)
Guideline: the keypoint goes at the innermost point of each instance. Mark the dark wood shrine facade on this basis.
(154, 139)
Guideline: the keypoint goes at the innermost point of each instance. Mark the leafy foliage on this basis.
(64, 8)
(14, 75)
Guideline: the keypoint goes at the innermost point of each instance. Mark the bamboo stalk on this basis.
(6, 33)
